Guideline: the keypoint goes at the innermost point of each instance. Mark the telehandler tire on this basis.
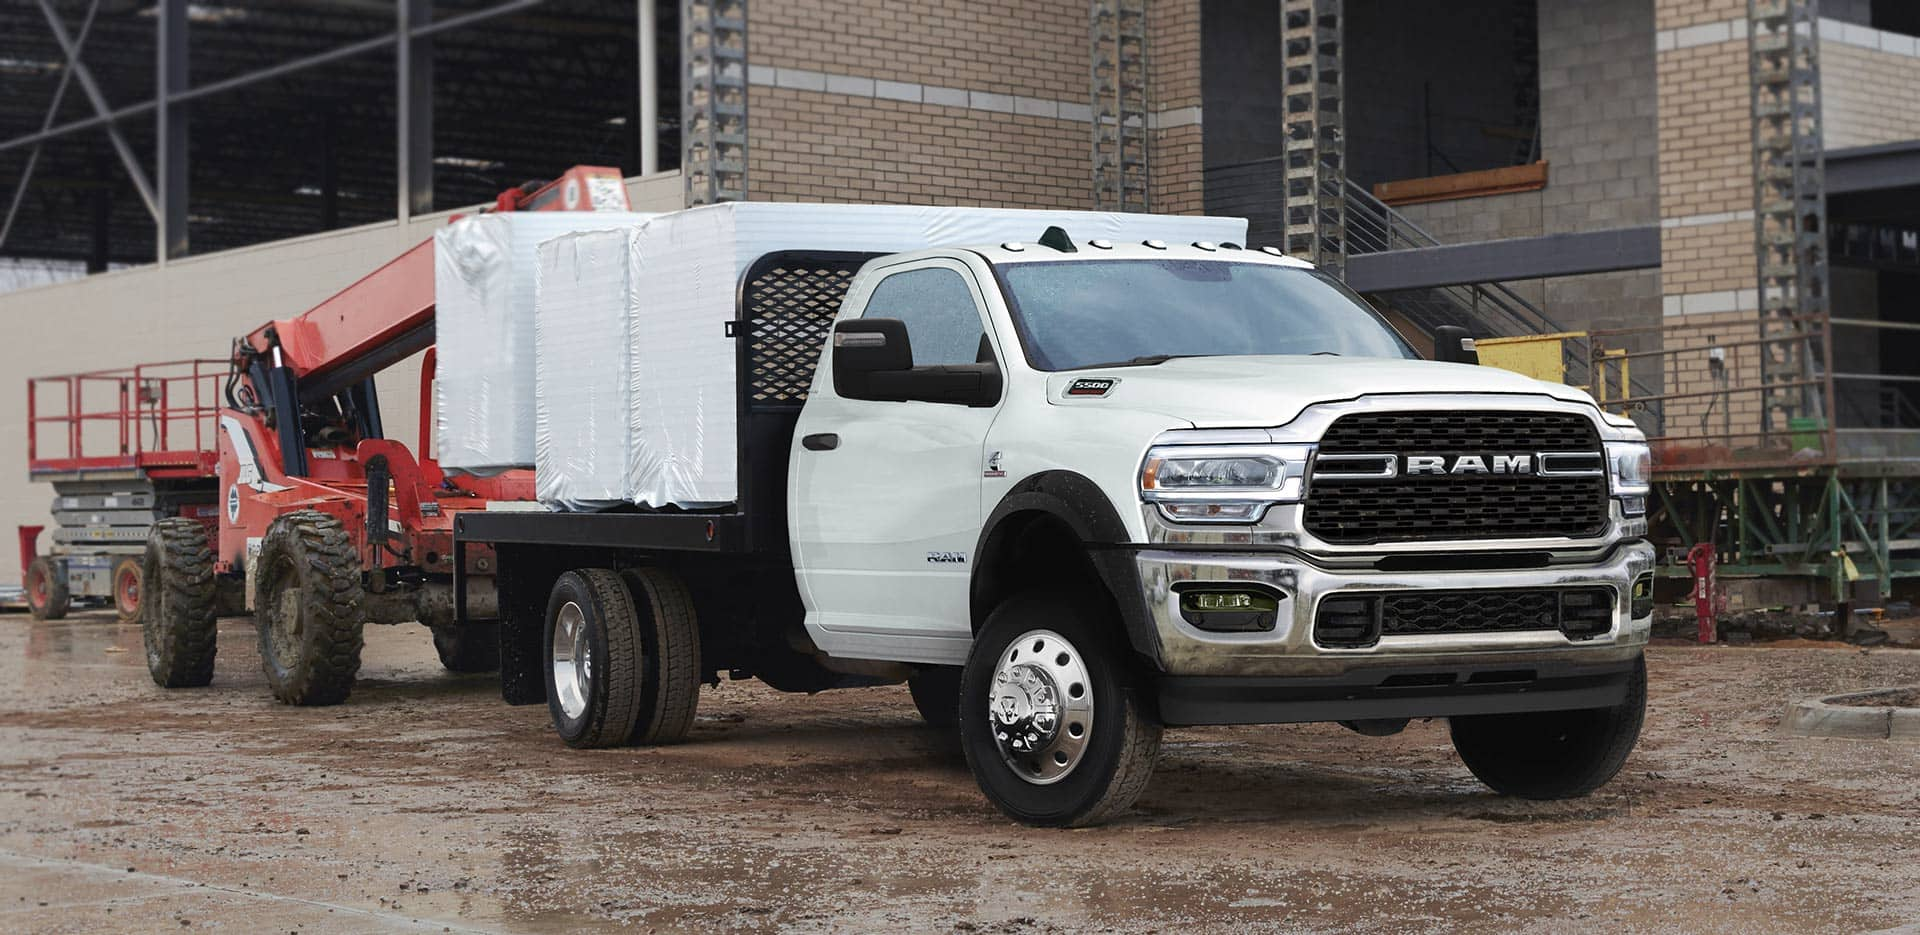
(308, 601)
(177, 621)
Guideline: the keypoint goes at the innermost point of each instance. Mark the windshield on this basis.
(1076, 314)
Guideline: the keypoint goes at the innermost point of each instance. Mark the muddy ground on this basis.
(426, 804)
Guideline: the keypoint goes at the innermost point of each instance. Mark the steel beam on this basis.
(170, 127)
(185, 94)
(53, 110)
(413, 108)
(1601, 251)
(99, 101)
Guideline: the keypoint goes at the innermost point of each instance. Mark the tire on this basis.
(670, 655)
(471, 648)
(936, 692)
(592, 636)
(1553, 754)
(127, 579)
(308, 598)
(1076, 637)
(177, 621)
(46, 587)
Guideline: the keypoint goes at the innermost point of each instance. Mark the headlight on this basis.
(1630, 466)
(1223, 484)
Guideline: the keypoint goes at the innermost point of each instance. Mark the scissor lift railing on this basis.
(157, 418)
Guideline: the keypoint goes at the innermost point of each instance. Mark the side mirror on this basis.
(863, 347)
(872, 359)
(1454, 345)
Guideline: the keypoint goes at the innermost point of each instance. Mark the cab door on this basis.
(884, 497)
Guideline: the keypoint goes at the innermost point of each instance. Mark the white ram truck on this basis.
(1076, 492)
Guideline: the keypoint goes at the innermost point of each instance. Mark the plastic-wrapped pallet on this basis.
(483, 296)
(584, 301)
(689, 264)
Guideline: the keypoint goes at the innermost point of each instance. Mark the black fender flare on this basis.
(1079, 503)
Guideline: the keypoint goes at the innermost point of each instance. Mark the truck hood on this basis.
(1259, 392)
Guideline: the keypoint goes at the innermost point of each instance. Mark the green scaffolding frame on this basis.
(1827, 523)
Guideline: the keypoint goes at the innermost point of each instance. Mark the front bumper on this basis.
(1289, 649)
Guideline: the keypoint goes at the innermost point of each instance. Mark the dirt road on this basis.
(425, 804)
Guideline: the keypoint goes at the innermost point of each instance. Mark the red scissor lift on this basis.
(123, 449)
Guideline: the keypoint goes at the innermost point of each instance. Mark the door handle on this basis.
(824, 441)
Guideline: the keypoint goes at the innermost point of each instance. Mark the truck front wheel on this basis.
(1553, 754)
(308, 597)
(1052, 718)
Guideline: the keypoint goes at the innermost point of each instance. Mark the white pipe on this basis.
(649, 90)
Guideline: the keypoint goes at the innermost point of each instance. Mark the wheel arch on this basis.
(1059, 524)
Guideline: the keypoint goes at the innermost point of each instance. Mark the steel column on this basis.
(413, 109)
(170, 127)
(648, 33)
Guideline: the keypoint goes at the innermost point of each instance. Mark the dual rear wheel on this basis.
(623, 657)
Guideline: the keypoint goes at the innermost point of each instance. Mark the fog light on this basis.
(1643, 596)
(1230, 611)
(1633, 506)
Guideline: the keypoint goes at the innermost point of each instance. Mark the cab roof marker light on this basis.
(1155, 244)
(1271, 249)
(1101, 244)
(1206, 245)
(1230, 245)
(1013, 246)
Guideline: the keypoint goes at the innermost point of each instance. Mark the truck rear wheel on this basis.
(127, 580)
(177, 611)
(1052, 718)
(670, 655)
(474, 647)
(1553, 754)
(593, 671)
(46, 587)
(307, 595)
(936, 693)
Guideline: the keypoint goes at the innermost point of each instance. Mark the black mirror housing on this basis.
(863, 347)
(873, 359)
(1454, 345)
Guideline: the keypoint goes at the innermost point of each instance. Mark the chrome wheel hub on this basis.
(1040, 706)
(572, 654)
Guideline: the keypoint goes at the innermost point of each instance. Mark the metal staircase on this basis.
(1117, 32)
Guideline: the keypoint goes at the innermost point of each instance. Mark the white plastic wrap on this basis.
(483, 295)
(584, 302)
(688, 266)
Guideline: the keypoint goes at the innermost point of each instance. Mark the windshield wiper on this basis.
(1146, 360)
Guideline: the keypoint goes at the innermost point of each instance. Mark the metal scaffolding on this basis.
(1311, 33)
(1117, 33)
(714, 85)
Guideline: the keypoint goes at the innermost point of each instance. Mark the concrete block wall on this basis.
(1598, 108)
(194, 308)
(1869, 85)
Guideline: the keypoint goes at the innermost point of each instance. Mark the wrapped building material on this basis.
(687, 269)
(585, 299)
(483, 295)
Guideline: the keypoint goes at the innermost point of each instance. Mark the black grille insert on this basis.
(1457, 506)
(1359, 620)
